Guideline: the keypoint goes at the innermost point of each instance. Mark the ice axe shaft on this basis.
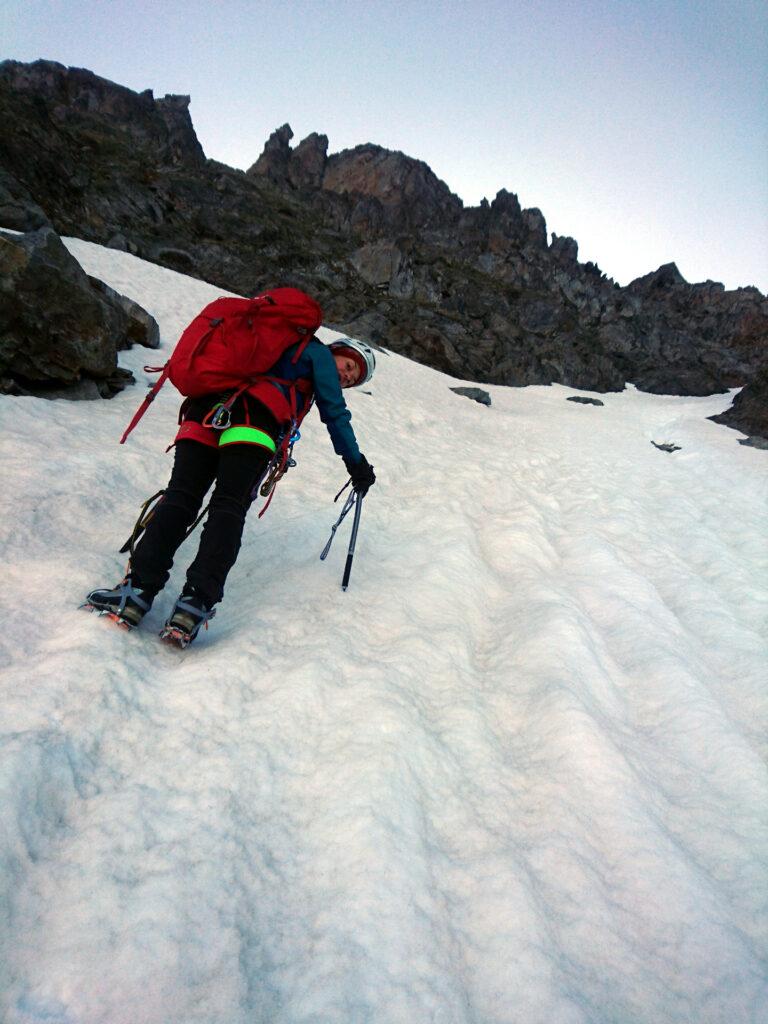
(352, 540)
(353, 498)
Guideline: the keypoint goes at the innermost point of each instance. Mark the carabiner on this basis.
(222, 418)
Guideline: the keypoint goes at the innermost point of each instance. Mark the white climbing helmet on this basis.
(362, 355)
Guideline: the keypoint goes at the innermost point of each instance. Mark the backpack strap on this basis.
(300, 350)
(148, 400)
(214, 323)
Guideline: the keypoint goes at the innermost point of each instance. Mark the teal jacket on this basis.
(317, 366)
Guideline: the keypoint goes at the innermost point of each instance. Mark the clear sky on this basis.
(638, 127)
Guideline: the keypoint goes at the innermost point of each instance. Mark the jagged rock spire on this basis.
(302, 167)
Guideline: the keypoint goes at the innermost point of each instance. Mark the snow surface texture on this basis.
(516, 773)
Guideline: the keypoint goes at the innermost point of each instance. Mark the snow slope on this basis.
(516, 773)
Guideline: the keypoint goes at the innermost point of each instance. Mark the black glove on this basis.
(362, 474)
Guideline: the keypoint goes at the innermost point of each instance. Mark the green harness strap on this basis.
(249, 435)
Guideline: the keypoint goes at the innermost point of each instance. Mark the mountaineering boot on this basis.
(126, 604)
(189, 613)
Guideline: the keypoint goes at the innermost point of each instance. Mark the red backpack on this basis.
(232, 342)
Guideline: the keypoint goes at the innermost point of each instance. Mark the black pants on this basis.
(236, 468)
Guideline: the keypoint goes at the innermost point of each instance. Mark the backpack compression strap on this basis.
(148, 400)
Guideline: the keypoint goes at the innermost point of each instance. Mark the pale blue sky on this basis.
(638, 127)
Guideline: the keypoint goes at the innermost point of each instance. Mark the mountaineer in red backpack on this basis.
(251, 370)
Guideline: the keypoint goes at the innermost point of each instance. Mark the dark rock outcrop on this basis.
(75, 97)
(18, 210)
(405, 191)
(300, 168)
(667, 446)
(308, 161)
(141, 329)
(583, 400)
(58, 331)
(749, 412)
(392, 255)
(274, 162)
(476, 394)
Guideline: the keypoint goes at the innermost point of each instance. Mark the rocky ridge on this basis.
(393, 256)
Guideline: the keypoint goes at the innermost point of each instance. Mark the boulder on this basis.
(667, 446)
(476, 394)
(56, 329)
(583, 400)
(142, 328)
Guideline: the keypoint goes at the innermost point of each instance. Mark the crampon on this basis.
(174, 635)
(125, 604)
(188, 615)
(119, 620)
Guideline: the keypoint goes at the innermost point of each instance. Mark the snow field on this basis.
(516, 773)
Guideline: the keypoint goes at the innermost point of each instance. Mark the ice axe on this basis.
(353, 498)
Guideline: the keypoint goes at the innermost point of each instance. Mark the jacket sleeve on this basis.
(330, 402)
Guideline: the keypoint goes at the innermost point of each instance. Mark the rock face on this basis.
(18, 210)
(392, 255)
(405, 194)
(74, 96)
(58, 330)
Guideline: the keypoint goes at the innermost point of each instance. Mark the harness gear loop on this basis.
(283, 456)
(275, 474)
